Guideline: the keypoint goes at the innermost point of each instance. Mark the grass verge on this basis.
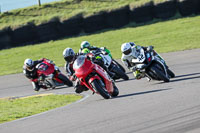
(166, 36)
(12, 109)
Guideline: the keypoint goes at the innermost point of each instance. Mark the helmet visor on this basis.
(69, 58)
(127, 52)
(29, 68)
(86, 45)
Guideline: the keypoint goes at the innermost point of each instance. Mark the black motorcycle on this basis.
(152, 65)
(112, 65)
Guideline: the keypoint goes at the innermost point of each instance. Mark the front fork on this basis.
(160, 58)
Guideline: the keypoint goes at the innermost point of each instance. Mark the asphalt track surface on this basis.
(141, 107)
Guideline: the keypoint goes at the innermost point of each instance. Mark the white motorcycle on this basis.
(111, 65)
(152, 66)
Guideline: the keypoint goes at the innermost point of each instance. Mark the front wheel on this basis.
(161, 75)
(98, 87)
(170, 73)
(65, 80)
(115, 91)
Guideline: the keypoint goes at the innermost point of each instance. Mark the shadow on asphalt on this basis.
(183, 77)
(140, 93)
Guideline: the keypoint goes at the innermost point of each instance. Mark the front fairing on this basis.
(105, 77)
(82, 66)
(79, 62)
(45, 68)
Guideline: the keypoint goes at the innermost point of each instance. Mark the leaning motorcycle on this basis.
(112, 65)
(152, 66)
(94, 77)
(50, 76)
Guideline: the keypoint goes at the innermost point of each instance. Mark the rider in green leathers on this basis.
(86, 44)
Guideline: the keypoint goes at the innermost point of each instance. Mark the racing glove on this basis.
(150, 48)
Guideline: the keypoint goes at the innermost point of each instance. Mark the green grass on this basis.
(168, 36)
(62, 10)
(12, 109)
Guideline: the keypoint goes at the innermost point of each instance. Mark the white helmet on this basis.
(28, 64)
(85, 44)
(126, 48)
(68, 54)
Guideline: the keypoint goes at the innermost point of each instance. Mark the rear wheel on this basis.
(161, 75)
(120, 66)
(65, 80)
(120, 73)
(99, 88)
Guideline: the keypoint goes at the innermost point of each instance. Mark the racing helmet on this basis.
(126, 48)
(132, 44)
(85, 50)
(85, 44)
(68, 54)
(29, 64)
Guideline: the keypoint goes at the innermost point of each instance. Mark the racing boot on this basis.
(36, 87)
(137, 74)
(80, 88)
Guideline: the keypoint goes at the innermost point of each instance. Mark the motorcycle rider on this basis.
(98, 60)
(130, 51)
(86, 44)
(70, 56)
(30, 71)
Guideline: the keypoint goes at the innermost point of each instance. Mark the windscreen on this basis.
(79, 61)
(43, 67)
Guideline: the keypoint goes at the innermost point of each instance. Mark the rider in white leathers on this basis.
(131, 51)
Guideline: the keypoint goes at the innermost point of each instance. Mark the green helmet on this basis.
(85, 44)
(85, 50)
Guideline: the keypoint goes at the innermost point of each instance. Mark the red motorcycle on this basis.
(50, 76)
(94, 77)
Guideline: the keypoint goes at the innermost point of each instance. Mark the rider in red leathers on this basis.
(30, 71)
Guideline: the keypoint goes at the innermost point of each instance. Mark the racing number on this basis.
(140, 57)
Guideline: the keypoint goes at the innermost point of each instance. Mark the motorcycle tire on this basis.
(65, 80)
(170, 73)
(115, 91)
(120, 66)
(98, 87)
(120, 73)
(159, 73)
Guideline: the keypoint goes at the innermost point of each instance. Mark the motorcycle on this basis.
(50, 76)
(112, 65)
(94, 77)
(152, 66)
